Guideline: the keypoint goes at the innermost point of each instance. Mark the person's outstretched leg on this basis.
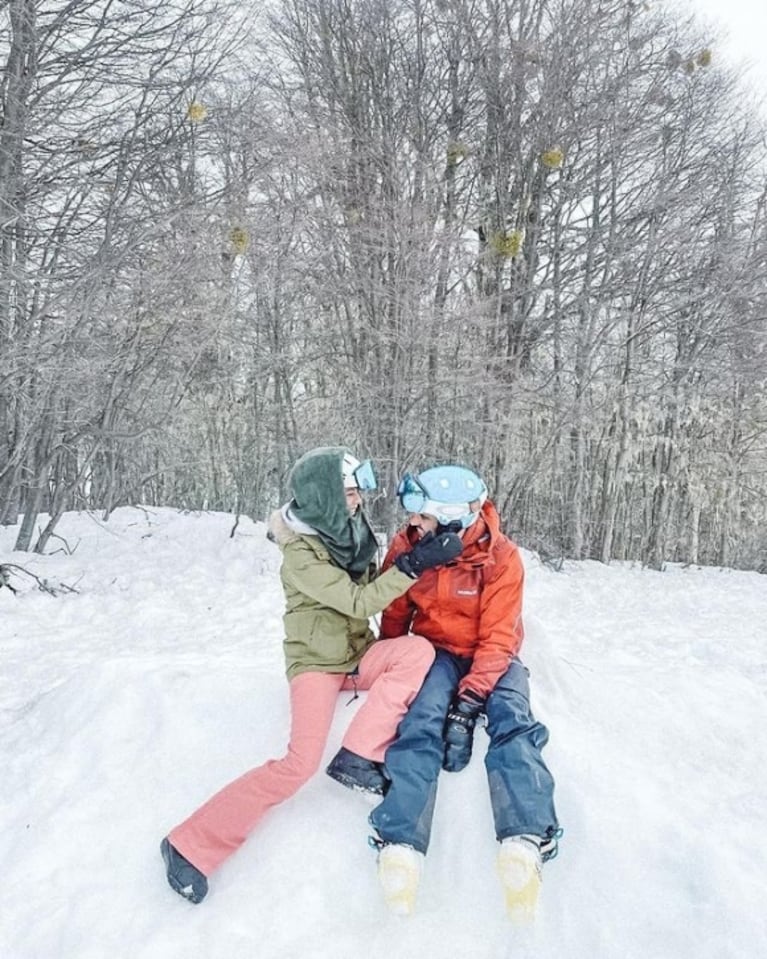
(219, 827)
(521, 792)
(403, 820)
(521, 786)
(414, 759)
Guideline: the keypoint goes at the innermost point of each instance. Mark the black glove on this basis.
(429, 551)
(459, 731)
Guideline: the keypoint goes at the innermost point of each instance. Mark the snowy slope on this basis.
(127, 703)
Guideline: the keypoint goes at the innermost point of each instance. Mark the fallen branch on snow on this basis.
(42, 584)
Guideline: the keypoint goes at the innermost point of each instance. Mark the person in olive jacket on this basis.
(331, 589)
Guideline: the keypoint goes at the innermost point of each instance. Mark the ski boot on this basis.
(399, 872)
(519, 866)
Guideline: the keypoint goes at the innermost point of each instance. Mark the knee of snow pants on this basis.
(521, 786)
(392, 671)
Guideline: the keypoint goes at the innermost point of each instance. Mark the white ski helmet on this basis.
(444, 492)
(357, 475)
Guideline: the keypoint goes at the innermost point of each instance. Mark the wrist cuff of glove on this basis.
(469, 703)
(471, 697)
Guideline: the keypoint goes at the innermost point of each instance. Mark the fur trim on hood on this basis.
(284, 528)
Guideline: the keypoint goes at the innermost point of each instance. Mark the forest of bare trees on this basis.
(527, 235)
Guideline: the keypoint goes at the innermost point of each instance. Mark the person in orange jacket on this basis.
(471, 611)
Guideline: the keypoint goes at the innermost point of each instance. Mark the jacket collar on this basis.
(480, 539)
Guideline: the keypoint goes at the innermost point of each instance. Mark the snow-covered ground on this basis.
(125, 704)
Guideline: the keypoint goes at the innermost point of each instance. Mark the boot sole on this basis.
(355, 786)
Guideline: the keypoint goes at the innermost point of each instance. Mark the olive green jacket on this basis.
(326, 611)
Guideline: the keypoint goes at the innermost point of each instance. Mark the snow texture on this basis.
(127, 703)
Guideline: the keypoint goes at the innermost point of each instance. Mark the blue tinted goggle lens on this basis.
(411, 494)
(365, 476)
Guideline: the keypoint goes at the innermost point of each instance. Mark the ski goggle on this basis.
(411, 494)
(365, 477)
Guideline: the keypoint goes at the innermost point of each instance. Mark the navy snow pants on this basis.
(521, 786)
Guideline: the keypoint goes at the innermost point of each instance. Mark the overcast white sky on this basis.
(745, 22)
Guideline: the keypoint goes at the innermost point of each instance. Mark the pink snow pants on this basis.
(392, 670)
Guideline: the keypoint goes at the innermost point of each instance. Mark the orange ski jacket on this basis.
(471, 607)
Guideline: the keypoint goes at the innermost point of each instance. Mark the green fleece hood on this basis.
(317, 487)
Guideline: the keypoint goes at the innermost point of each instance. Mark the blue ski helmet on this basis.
(444, 492)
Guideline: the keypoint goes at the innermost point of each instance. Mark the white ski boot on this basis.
(399, 871)
(519, 866)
